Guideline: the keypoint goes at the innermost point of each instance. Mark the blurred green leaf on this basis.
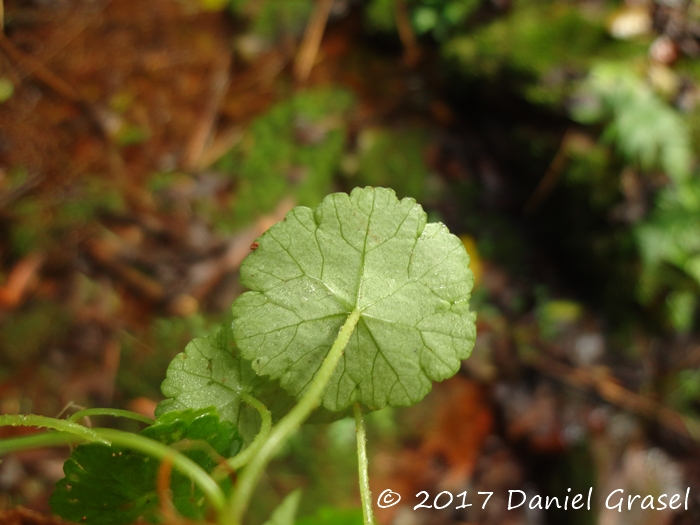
(287, 510)
(646, 129)
(682, 306)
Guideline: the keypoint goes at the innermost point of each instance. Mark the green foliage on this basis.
(439, 18)
(671, 236)
(392, 159)
(272, 19)
(365, 252)
(646, 129)
(114, 485)
(211, 373)
(285, 513)
(543, 41)
(292, 150)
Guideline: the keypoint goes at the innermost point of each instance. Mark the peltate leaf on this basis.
(114, 485)
(367, 251)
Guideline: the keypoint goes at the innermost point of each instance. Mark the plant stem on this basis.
(362, 466)
(115, 412)
(243, 491)
(30, 420)
(239, 460)
(74, 433)
(44, 439)
(185, 465)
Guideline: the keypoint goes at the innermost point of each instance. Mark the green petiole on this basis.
(362, 466)
(243, 491)
(30, 420)
(72, 433)
(241, 459)
(114, 412)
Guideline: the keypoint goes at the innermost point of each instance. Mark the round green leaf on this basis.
(370, 252)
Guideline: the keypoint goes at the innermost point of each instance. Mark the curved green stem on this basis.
(30, 420)
(243, 491)
(114, 412)
(241, 459)
(73, 433)
(362, 466)
(41, 440)
(189, 468)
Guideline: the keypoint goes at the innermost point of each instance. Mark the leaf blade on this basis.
(366, 251)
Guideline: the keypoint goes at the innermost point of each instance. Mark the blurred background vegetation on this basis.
(144, 147)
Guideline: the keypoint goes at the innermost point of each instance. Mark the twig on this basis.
(165, 494)
(33, 67)
(203, 131)
(406, 34)
(550, 178)
(19, 280)
(312, 40)
(219, 145)
(40, 72)
(616, 394)
(142, 284)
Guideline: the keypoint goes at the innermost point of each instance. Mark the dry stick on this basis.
(550, 178)
(312, 40)
(203, 131)
(40, 72)
(35, 68)
(165, 495)
(140, 283)
(21, 277)
(406, 34)
(620, 396)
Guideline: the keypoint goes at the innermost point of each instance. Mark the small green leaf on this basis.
(114, 485)
(210, 373)
(370, 252)
(287, 511)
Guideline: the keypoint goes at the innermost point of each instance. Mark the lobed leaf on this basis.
(115, 485)
(211, 373)
(367, 251)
